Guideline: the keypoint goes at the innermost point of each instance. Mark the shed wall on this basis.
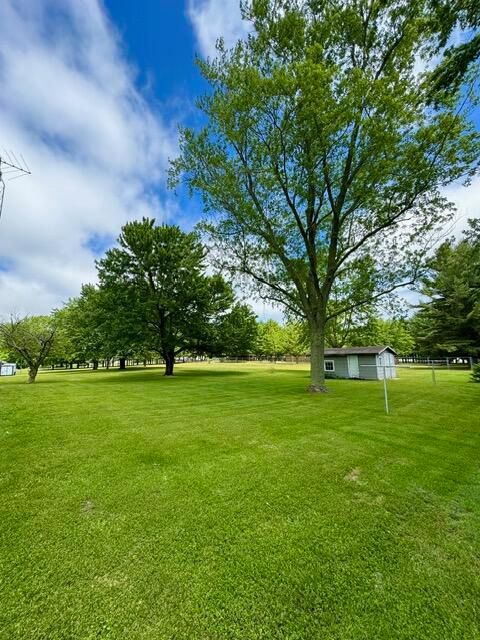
(387, 359)
(368, 372)
(341, 368)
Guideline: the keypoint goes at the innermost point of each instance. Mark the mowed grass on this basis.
(227, 503)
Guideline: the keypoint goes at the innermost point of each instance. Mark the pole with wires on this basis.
(12, 168)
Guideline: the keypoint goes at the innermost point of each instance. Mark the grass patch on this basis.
(226, 503)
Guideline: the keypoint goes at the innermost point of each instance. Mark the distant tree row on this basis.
(155, 300)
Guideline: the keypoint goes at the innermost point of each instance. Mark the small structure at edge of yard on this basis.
(7, 368)
(368, 363)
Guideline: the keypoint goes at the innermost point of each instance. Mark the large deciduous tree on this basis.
(320, 161)
(29, 339)
(157, 276)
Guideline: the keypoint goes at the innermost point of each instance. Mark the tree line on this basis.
(155, 300)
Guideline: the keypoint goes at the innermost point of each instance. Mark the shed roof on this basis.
(358, 351)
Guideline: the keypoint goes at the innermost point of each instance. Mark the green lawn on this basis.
(228, 503)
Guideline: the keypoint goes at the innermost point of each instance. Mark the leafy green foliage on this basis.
(378, 331)
(156, 287)
(458, 60)
(29, 340)
(476, 373)
(295, 338)
(275, 340)
(321, 162)
(271, 339)
(449, 322)
(101, 323)
(235, 333)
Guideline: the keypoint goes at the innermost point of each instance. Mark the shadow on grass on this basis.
(155, 375)
(130, 375)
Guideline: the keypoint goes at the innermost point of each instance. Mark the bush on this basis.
(476, 373)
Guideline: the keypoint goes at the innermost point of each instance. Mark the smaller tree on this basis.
(76, 333)
(160, 294)
(295, 337)
(236, 332)
(30, 339)
(271, 339)
(393, 332)
(102, 324)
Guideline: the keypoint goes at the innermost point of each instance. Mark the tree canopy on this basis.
(29, 340)
(448, 322)
(235, 332)
(458, 59)
(158, 287)
(395, 333)
(321, 162)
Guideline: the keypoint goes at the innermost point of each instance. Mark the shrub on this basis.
(476, 373)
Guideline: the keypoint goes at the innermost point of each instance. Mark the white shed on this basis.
(7, 369)
(368, 363)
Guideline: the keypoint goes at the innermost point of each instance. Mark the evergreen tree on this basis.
(449, 322)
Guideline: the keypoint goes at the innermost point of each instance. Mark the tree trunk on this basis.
(169, 362)
(317, 359)
(123, 363)
(32, 374)
(95, 365)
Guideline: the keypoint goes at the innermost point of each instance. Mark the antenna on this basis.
(13, 168)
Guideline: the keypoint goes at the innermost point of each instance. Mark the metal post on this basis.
(385, 390)
(471, 363)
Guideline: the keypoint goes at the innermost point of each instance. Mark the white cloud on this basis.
(212, 19)
(265, 311)
(467, 202)
(96, 149)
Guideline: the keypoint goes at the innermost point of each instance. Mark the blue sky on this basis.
(92, 95)
(154, 32)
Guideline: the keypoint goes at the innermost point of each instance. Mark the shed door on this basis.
(386, 366)
(390, 362)
(353, 368)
